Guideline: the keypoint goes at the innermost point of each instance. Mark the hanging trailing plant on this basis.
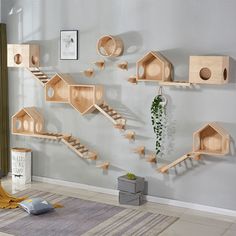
(158, 117)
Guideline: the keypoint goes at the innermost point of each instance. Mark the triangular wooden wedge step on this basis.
(112, 115)
(39, 75)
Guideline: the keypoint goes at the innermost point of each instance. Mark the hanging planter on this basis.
(158, 117)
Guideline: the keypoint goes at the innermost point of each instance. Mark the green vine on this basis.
(158, 117)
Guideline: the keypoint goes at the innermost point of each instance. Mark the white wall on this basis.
(177, 29)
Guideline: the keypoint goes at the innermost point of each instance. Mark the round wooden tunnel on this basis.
(110, 46)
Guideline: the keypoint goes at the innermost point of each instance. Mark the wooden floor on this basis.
(191, 222)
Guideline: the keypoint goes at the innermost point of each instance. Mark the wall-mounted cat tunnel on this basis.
(110, 46)
(211, 140)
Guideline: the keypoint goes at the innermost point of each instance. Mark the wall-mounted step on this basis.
(39, 75)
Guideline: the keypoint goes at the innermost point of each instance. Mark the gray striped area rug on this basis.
(82, 217)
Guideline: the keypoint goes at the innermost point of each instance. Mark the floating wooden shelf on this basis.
(39, 75)
(154, 67)
(57, 88)
(27, 121)
(140, 150)
(151, 158)
(165, 169)
(130, 135)
(89, 72)
(110, 46)
(176, 83)
(209, 69)
(133, 79)
(84, 97)
(211, 139)
(104, 165)
(100, 64)
(112, 115)
(123, 65)
(22, 55)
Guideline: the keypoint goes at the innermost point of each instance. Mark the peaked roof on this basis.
(216, 127)
(66, 78)
(30, 111)
(155, 54)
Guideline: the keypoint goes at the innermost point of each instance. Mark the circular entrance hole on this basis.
(225, 74)
(38, 127)
(141, 71)
(205, 73)
(18, 59)
(50, 92)
(18, 124)
(34, 60)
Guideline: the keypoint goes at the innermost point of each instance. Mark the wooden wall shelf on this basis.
(84, 97)
(209, 69)
(176, 83)
(22, 55)
(110, 46)
(211, 139)
(57, 88)
(154, 67)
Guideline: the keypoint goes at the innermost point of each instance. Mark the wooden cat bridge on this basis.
(29, 122)
(211, 140)
(61, 88)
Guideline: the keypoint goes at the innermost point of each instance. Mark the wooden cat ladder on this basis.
(112, 115)
(165, 169)
(75, 145)
(39, 75)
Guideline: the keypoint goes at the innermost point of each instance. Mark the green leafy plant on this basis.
(131, 176)
(158, 117)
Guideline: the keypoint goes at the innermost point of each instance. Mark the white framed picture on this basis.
(69, 45)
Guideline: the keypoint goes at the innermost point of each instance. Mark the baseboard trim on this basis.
(159, 200)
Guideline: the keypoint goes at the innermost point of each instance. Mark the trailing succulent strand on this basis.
(158, 118)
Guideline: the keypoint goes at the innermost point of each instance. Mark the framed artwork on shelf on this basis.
(69, 44)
